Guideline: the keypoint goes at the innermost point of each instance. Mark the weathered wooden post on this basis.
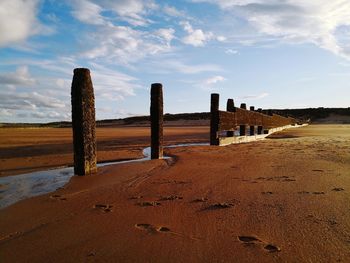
(243, 127)
(252, 127)
(156, 111)
(83, 122)
(230, 107)
(214, 119)
(260, 128)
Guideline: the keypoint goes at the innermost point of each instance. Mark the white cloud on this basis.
(231, 51)
(120, 44)
(49, 99)
(214, 80)
(172, 11)
(166, 34)
(20, 77)
(6, 113)
(209, 84)
(28, 101)
(52, 115)
(61, 83)
(88, 12)
(124, 45)
(255, 97)
(221, 38)
(195, 37)
(18, 21)
(131, 11)
(172, 65)
(297, 21)
(111, 84)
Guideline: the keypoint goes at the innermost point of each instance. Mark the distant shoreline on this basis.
(314, 115)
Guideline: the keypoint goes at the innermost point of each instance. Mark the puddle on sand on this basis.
(18, 187)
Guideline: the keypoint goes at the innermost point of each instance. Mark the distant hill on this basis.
(313, 115)
(318, 115)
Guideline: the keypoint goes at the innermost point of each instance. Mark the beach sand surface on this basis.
(284, 199)
(34, 149)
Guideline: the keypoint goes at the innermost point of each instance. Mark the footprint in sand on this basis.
(253, 240)
(58, 197)
(91, 254)
(249, 239)
(170, 198)
(277, 179)
(106, 208)
(267, 193)
(146, 227)
(149, 203)
(314, 193)
(272, 248)
(200, 200)
(338, 189)
(152, 229)
(163, 229)
(217, 206)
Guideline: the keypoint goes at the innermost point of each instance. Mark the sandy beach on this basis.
(27, 150)
(283, 199)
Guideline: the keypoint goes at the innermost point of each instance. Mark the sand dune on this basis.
(284, 199)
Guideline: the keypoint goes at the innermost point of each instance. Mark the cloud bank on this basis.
(321, 22)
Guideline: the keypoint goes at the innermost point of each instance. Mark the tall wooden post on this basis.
(83, 122)
(230, 107)
(243, 127)
(214, 119)
(252, 127)
(156, 111)
(260, 128)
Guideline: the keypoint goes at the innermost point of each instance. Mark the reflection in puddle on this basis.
(18, 187)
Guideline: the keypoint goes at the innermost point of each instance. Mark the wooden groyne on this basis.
(249, 122)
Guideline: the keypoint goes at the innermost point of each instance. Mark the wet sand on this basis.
(27, 150)
(279, 200)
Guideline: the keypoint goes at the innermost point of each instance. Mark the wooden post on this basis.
(230, 107)
(83, 122)
(156, 111)
(252, 130)
(252, 127)
(214, 119)
(260, 128)
(242, 128)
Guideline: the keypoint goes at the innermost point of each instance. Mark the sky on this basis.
(266, 53)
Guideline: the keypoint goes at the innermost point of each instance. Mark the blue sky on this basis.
(266, 53)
